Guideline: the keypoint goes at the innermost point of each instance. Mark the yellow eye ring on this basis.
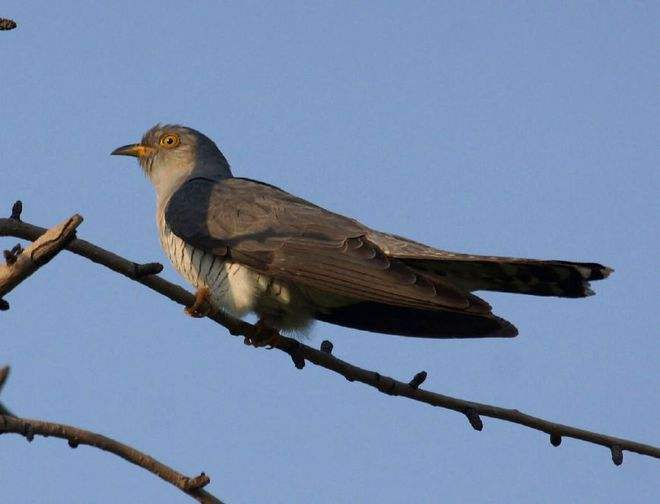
(169, 140)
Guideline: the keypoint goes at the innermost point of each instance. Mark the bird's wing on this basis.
(493, 273)
(288, 238)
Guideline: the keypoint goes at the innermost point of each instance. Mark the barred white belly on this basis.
(235, 288)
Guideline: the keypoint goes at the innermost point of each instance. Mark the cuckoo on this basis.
(250, 247)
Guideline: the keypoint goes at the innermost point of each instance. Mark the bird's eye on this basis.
(169, 140)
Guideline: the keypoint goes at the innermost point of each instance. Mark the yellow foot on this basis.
(265, 336)
(202, 305)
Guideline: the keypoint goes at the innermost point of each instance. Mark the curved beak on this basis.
(135, 150)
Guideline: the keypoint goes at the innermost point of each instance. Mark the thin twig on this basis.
(300, 352)
(28, 428)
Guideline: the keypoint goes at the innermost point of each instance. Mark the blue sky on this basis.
(517, 128)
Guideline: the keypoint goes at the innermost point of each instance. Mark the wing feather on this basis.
(288, 238)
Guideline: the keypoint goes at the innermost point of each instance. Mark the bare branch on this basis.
(28, 428)
(22, 263)
(301, 353)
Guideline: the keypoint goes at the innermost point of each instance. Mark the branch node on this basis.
(28, 432)
(296, 354)
(196, 483)
(385, 384)
(146, 269)
(555, 439)
(417, 380)
(73, 443)
(4, 374)
(16, 210)
(617, 454)
(326, 347)
(12, 255)
(474, 419)
(4, 305)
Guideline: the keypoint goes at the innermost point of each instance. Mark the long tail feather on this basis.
(522, 276)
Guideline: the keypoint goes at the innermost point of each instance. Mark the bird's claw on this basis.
(264, 336)
(202, 306)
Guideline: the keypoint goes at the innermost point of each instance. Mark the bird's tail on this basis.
(404, 321)
(521, 276)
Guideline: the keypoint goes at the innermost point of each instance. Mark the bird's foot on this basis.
(202, 305)
(265, 335)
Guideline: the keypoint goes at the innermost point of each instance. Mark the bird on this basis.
(250, 247)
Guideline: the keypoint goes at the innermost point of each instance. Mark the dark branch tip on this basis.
(12, 255)
(4, 374)
(418, 379)
(16, 210)
(4, 305)
(296, 354)
(142, 270)
(327, 346)
(474, 419)
(28, 432)
(299, 362)
(7, 24)
(617, 454)
(555, 439)
(197, 482)
(73, 443)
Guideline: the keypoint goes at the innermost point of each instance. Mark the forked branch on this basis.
(20, 263)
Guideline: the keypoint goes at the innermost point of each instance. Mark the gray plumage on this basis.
(260, 249)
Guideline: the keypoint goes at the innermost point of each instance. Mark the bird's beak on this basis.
(136, 150)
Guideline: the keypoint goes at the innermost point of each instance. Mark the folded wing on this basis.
(284, 237)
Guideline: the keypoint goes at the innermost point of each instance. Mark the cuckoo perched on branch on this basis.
(248, 246)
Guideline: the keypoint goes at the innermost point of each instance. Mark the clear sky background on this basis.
(508, 128)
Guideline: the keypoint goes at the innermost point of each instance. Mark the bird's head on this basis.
(171, 154)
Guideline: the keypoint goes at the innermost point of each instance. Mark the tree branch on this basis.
(28, 428)
(22, 263)
(324, 358)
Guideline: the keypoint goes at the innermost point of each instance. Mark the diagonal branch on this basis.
(28, 428)
(324, 358)
(22, 263)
